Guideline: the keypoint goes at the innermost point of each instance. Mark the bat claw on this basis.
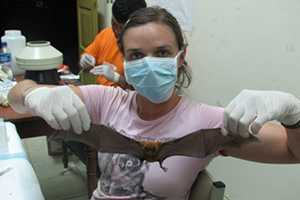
(162, 167)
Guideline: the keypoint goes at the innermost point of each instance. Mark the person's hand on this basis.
(248, 111)
(87, 61)
(108, 71)
(60, 107)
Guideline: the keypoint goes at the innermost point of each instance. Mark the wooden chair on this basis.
(86, 154)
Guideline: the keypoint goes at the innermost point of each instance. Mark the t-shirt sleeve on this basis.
(213, 116)
(99, 101)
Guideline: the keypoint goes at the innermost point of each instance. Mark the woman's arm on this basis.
(277, 145)
(61, 107)
(17, 94)
(251, 112)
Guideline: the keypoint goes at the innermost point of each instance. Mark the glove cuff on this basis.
(31, 91)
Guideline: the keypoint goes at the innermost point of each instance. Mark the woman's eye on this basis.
(135, 56)
(163, 53)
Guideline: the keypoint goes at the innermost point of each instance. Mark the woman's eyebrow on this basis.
(133, 50)
(168, 47)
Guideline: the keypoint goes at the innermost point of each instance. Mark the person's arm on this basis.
(17, 94)
(61, 107)
(251, 112)
(277, 145)
(108, 70)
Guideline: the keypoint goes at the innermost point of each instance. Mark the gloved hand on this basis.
(248, 111)
(60, 107)
(108, 71)
(87, 61)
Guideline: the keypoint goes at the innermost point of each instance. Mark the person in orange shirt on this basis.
(103, 57)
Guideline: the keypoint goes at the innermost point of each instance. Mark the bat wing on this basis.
(104, 139)
(200, 144)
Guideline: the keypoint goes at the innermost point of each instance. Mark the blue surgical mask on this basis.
(153, 77)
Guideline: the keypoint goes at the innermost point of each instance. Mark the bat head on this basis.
(151, 150)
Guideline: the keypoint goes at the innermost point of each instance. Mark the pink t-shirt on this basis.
(124, 175)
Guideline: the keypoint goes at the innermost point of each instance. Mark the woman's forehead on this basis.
(150, 35)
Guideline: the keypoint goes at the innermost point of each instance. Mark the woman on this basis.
(154, 50)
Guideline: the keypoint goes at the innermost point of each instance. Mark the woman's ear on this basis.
(182, 55)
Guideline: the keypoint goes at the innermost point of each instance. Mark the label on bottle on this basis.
(5, 57)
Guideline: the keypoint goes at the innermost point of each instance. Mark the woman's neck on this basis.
(147, 110)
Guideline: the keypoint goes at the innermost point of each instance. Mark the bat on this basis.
(199, 144)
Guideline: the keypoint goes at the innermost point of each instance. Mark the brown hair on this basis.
(160, 15)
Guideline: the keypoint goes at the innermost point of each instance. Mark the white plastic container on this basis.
(3, 137)
(39, 56)
(16, 42)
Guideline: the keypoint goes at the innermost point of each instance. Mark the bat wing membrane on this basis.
(198, 144)
(107, 140)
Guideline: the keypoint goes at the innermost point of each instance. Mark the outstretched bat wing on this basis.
(200, 144)
(104, 139)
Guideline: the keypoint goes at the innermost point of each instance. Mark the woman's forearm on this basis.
(17, 95)
(293, 136)
(276, 146)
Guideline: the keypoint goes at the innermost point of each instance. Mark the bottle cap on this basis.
(13, 32)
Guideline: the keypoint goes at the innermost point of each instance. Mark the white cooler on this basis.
(17, 178)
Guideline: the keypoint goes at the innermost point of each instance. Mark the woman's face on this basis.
(151, 39)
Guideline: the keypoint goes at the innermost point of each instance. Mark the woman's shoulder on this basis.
(104, 93)
(205, 115)
(199, 106)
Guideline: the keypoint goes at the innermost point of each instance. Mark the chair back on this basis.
(205, 188)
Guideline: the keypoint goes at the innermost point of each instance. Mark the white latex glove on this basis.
(87, 61)
(60, 107)
(108, 71)
(3, 100)
(248, 111)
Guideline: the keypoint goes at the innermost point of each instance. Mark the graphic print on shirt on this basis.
(123, 175)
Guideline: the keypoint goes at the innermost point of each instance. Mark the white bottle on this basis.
(16, 42)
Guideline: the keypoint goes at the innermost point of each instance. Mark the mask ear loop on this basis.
(177, 60)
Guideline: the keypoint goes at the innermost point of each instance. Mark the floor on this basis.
(56, 183)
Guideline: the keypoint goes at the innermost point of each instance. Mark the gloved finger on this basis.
(259, 122)
(62, 118)
(97, 70)
(83, 114)
(234, 119)
(224, 132)
(86, 65)
(89, 59)
(110, 65)
(227, 113)
(87, 62)
(245, 122)
(52, 122)
(74, 118)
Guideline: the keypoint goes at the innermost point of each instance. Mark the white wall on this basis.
(104, 11)
(238, 44)
(244, 44)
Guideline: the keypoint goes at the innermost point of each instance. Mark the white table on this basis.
(17, 178)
